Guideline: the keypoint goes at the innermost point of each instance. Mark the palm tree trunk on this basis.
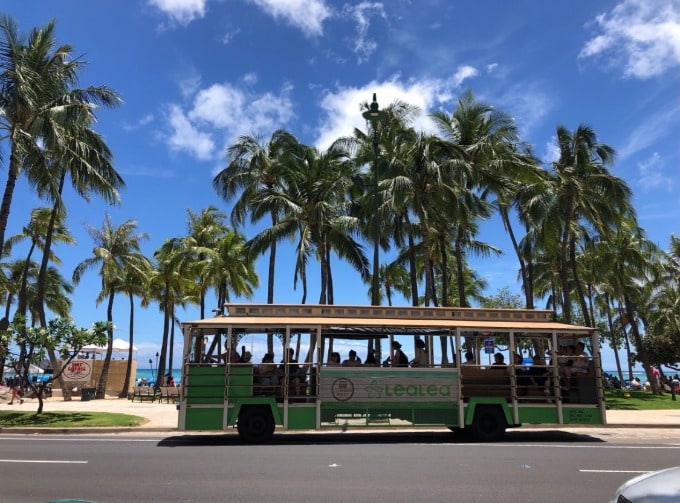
(626, 340)
(578, 285)
(330, 277)
(172, 343)
(270, 282)
(639, 345)
(445, 271)
(460, 269)
(527, 287)
(564, 267)
(413, 274)
(101, 387)
(12, 175)
(614, 338)
(128, 367)
(168, 315)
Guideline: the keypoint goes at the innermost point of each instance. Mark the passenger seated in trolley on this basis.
(267, 375)
(370, 359)
(334, 360)
(231, 356)
(295, 373)
(469, 358)
(352, 361)
(422, 358)
(498, 361)
(399, 359)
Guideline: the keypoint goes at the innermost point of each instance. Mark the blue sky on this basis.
(196, 74)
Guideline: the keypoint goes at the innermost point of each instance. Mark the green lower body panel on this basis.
(301, 418)
(390, 414)
(582, 415)
(538, 415)
(204, 418)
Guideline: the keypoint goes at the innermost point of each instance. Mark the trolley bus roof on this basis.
(371, 326)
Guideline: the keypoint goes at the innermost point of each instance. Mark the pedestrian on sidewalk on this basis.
(16, 390)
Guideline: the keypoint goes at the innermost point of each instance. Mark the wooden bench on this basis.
(583, 387)
(486, 382)
(144, 393)
(169, 393)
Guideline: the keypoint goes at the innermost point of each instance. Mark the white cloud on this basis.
(226, 111)
(181, 11)
(650, 130)
(361, 14)
(341, 108)
(190, 84)
(307, 15)
(229, 36)
(641, 35)
(651, 174)
(186, 137)
(143, 121)
(552, 151)
(464, 72)
(527, 103)
(250, 78)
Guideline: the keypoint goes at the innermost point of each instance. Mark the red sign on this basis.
(78, 370)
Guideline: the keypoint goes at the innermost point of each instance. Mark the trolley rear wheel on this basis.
(255, 424)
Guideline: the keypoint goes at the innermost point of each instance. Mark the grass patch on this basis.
(639, 400)
(68, 419)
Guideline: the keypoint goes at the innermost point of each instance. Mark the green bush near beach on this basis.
(639, 400)
(68, 419)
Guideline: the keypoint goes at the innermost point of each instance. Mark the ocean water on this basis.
(150, 375)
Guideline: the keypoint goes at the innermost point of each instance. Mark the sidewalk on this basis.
(163, 416)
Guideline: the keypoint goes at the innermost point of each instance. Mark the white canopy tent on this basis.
(32, 369)
(119, 346)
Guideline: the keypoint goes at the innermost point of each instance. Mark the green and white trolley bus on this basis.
(450, 380)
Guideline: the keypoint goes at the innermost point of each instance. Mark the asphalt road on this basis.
(530, 466)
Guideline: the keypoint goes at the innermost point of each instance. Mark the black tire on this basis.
(489, 424)
(255, 424)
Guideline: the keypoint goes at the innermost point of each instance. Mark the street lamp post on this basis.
(373, 116)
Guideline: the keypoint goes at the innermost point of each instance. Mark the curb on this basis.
(82, 431)
(137, 429)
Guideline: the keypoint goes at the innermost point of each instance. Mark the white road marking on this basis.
(556, 446)
(614, 471)
(44, 461)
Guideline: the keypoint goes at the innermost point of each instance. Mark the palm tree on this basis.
(478, 150)
(39, 100)
(205, 230)
(583, 193)
(230, 269)
(133, 284)
(627, 260)
(252, 173)
(315, 207)
(394, 218)
(35, 231)
(116, 250)
(171, 284)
